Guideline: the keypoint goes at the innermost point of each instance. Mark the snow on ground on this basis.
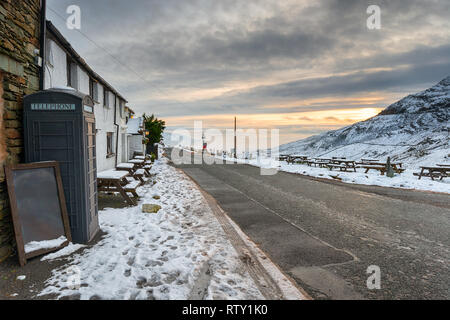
(71, 248)
(179, 253)
(405, 180)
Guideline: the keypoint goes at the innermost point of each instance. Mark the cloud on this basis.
(201, 57)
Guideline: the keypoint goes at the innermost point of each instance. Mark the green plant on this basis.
(154, 129)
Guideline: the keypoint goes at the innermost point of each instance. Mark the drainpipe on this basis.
(117, 127)
(42, 43)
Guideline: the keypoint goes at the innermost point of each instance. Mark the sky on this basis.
(303, 67)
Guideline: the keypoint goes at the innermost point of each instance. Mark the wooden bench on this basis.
(369, 160)
(316, 163)
(296, 159)
(116, 181)
(382, 168)
(434, 172)
(137, 162)
(142, 175)
(341, 167)
(147, 169)
(132, 168)
(342, 164)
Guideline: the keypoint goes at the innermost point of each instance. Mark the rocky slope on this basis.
(414, 130)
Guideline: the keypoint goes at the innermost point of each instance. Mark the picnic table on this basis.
(319, 163)
(439, 171)
(116, 181)
(382, 167)
(133, 170)
(295, 158)
(342, 164)
(126, 166)
(138, 162)
(370, 160)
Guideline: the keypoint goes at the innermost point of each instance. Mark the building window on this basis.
(106, 98)
(109, 144)
(91, 88)
(96, 95)
(72, 74)
(121, 106)
(49, 53)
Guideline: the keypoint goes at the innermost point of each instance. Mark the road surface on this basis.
(326, 234)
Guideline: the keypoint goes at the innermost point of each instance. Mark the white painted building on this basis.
(64, 67)
(135, 136)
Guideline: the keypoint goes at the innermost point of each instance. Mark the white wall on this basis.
(56, 76)
(135, 145)
(82, 80)
(104, 118)
(56, 66)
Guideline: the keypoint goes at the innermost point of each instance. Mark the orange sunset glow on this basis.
(338, 117)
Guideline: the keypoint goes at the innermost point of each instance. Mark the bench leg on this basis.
(124, 194)
(421, 173)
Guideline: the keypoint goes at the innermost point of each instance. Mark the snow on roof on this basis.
(134, 125)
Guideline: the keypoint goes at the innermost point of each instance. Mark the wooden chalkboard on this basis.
(38, 208)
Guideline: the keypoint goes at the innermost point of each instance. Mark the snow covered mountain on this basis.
(414, 130)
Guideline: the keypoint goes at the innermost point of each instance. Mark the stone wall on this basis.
(19, 76)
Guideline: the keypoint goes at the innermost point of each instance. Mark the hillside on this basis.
(414, 130)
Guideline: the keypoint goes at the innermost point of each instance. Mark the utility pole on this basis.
(235, 150)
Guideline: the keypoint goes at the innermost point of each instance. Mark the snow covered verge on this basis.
(179, 253)
(405, 180)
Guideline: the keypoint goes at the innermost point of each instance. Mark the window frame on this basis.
(106, 98)
(110, 144)
(91, 88)
(69, 71)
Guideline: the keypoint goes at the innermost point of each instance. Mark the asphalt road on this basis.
(325, 234)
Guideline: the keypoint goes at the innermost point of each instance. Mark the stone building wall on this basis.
(19, 76)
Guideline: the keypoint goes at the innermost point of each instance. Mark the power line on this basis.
(115, 59)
